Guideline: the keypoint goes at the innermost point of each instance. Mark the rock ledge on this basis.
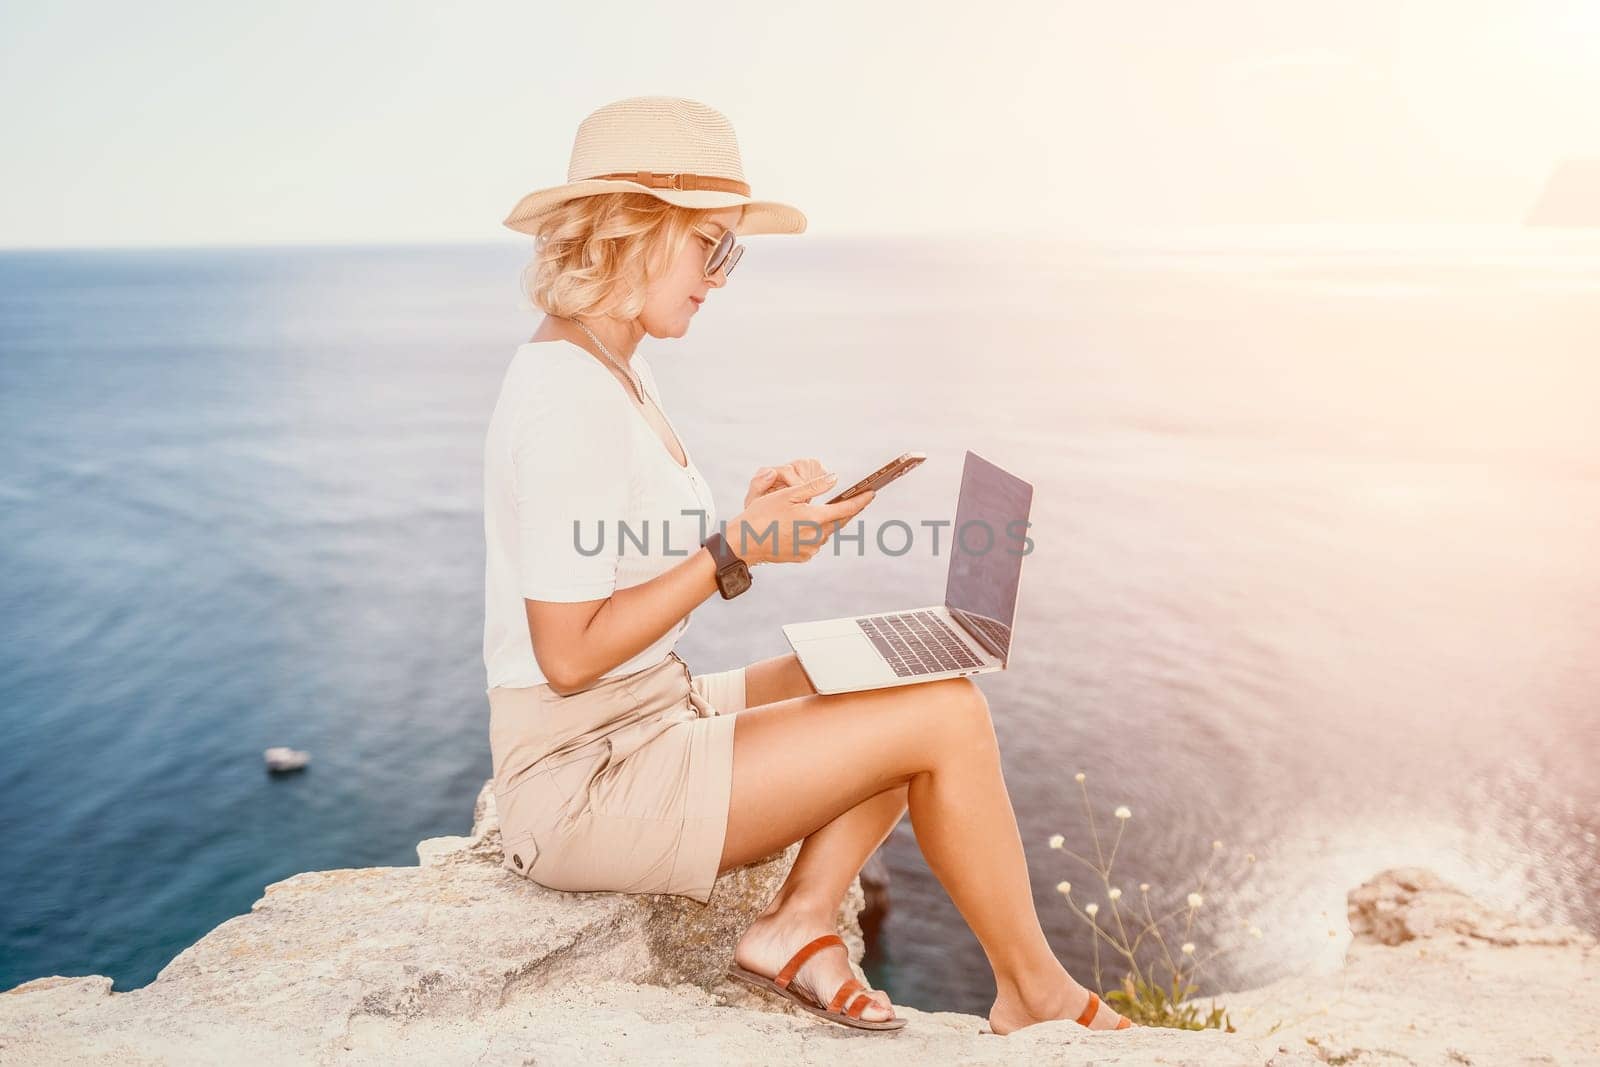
(457, 960)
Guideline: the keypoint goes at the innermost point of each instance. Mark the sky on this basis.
(162, 123)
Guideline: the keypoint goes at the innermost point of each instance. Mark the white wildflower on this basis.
(1188, 948)
(1195, 900)
(1144, 887)
(1255, 931)
(1063, 888)
(1056, 840)
(1092, 909)
(1216, 845)
(1078, 777)
(1115, 894)
(1123, 812)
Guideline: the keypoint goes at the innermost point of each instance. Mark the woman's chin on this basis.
(674, 329)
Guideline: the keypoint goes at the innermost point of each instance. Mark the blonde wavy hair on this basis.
(595, 255)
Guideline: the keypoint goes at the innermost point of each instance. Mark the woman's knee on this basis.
(959, 708)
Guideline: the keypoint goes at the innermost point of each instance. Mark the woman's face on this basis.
(670, 301)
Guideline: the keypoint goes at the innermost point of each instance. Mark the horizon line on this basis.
(1010, 236)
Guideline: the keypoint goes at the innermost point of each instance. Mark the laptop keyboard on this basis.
(917, 642)
(998, 632)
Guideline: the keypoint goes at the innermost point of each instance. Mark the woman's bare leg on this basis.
(830, 858)
(802, 762)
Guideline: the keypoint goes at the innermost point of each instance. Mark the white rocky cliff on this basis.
(459, 961)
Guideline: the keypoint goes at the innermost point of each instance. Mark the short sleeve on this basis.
(571, 451)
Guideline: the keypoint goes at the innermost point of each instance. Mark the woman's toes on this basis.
(880, 999)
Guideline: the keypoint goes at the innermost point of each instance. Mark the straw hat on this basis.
(677, 150)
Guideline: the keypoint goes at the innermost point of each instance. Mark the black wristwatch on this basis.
(733, 576)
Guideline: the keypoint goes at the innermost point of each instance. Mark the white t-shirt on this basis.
(567, 443)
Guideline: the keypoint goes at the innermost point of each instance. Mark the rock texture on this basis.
(1434, 977)
(459, 961)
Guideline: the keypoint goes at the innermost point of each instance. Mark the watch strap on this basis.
(733, 574)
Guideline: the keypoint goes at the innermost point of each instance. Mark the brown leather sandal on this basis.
(1091, 1009)
(1087, 1015)
(852, 990)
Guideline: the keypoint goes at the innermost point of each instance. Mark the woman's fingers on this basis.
(810, 487)
(844, 509)
(762, 482)
(831, 525)
(828, 518)
(806, 469)
(797, 471)
(799, 526)
(787, 476)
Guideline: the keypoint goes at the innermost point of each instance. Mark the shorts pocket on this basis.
(549, 799)
(570, 785)
(521, 853)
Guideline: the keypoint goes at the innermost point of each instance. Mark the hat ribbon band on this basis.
(677, 181)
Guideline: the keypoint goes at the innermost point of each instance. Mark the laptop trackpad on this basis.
(846, 663)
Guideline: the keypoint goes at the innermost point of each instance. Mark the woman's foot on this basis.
(772, 939)
(1068, 1001)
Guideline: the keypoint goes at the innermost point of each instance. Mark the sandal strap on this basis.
(847, 990)
(1090, 1010)
(805, 953)
(863, 999)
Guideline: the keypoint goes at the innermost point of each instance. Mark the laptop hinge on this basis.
(977, 635)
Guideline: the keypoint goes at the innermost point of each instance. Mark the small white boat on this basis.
(281, 759)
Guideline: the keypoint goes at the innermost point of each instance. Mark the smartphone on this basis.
(902, 464)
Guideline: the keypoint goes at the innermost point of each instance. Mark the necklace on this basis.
(638, 387)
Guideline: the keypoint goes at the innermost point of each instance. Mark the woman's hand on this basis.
(780, 526)
(793, 473)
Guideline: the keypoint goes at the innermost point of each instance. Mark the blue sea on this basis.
(1316, 570)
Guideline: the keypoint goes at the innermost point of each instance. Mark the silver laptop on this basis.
(970, 633)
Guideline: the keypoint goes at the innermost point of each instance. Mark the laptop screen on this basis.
(986, 549)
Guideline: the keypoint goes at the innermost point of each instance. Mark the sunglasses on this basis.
(725, 254)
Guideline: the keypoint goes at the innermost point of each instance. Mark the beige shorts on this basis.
(623, 787)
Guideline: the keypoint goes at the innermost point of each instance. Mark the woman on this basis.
(614, 767)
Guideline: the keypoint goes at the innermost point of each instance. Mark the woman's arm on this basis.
(575, 643)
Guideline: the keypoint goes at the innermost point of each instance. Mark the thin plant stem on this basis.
(1155, 928)
(1122, 824)
(1081, 859)
(1133, 960)
(1083, 787)
(1098, 984)
(1184, 969)
(1116, 913)
(1086, 917)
